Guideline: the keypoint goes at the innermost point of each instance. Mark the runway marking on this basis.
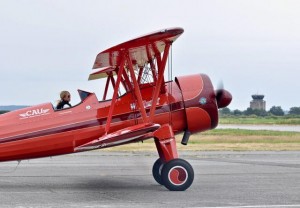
(252, 162)
(257, 206)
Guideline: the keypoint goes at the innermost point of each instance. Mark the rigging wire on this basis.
(133, 104)
(170, 83)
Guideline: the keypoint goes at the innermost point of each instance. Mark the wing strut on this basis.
(151, 64)
(106, 87)
(140, 75)
(116, 89)
(110, 78)
(161, 68)
(127, 82)
(136, 89)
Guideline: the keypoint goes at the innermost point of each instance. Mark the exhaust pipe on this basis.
(185, 138)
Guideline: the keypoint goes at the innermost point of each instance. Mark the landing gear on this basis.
(174, 173)
(177, 175)
(156, 171)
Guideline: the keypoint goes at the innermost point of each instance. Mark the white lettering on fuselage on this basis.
(34, 113)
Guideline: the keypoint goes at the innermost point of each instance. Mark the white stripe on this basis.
(257, 206)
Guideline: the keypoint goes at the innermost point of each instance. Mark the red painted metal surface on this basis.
(132, 133)
(197, 119)
(165, 143)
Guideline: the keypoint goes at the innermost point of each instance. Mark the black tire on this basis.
(156, 171)
(177, 175)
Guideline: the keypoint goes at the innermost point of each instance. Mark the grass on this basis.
(245, 132)
(229, 140)
(285, 120)
(235, 139)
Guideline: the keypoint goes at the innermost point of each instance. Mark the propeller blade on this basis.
(219, 91)
(223, 97)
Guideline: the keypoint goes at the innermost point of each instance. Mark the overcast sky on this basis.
(252, 46)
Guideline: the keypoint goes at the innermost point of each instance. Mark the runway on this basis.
(116, 179)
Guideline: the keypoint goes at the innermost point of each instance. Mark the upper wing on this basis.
(101, 73)
(141, 50)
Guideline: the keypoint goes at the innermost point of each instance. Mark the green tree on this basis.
(248, 112)
(237, 112)
(294, 111)
(257, 112)
(225, 111)
(260, 112)
(276, 111)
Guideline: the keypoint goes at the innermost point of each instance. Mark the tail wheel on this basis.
(177, 175)
(156, 171)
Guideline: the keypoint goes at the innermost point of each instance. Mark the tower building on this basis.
(258, 102)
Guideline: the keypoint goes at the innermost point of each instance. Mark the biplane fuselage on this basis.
(41, 131)
(149, 108)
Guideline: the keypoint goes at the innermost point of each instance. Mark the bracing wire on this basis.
(170, 76)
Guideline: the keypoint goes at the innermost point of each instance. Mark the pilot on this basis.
(64, 102)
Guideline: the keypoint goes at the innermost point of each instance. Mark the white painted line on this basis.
(257, 206)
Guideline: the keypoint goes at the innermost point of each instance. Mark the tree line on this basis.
(3, 111)
(274, 111)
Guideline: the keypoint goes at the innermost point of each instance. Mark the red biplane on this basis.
(150, 108)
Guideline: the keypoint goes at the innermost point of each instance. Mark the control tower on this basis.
(258, 102)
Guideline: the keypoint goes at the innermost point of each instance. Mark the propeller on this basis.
(223, 97)
(219, 91)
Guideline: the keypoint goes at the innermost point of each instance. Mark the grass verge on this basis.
(228, 140)
(285, 120)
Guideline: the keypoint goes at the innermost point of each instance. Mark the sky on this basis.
(252, 46)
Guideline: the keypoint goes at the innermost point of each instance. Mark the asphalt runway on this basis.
(114, 179)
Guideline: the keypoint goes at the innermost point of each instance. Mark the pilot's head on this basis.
(65, 95)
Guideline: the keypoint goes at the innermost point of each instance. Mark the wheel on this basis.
(177, 175)
(156, 171)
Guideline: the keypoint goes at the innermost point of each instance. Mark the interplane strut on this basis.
(133, 84)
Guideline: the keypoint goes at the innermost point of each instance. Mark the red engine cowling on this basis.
(200, 101)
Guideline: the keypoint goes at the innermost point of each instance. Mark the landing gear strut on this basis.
(168, 170)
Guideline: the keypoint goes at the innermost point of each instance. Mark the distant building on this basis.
(258, 102)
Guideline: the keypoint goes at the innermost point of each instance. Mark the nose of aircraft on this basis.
(223, 98)
(201, 101)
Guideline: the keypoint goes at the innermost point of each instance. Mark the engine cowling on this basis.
(200, 101)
